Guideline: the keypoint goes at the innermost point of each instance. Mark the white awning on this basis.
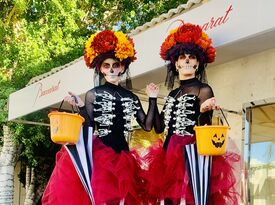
(238, 28)
(50, 90)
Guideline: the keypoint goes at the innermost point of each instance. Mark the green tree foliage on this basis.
(38, 35)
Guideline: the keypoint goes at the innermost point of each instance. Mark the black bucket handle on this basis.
(73, 110)
(220, 119)
(224, 117)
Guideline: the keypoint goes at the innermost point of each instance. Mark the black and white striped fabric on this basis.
(199, 170)
(81, 156)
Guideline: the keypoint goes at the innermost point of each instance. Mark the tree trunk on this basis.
(8, 159)
(33, 192)
(30, 178)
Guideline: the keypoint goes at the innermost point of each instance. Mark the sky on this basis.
(263, 152)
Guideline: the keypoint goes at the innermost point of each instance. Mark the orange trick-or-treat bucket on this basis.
(65, 127)
(211, 139)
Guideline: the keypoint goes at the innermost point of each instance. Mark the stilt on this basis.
(199, 173)
(122, 202)
(182, 201)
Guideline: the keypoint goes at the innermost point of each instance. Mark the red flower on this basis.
(211, 54)
(188, 33)
(105, 41)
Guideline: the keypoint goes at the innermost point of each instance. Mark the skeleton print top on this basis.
(110, 110)
(181, 111)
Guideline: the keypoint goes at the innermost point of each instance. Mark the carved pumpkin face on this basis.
(218, 141)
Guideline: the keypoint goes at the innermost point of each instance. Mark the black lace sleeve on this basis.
(206, 92)
(146, 121)
(87, 110)
(159, 121)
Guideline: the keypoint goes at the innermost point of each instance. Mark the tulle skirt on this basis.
(167, 176)
(116, 176)
(64, 186)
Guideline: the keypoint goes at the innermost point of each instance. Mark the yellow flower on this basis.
(89, 50)
(124, 47)
(173, 31)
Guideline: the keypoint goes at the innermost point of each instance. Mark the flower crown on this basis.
(188, 34)
(108, 41)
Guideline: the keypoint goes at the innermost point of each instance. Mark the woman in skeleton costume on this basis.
(110, 109)
(177, 174)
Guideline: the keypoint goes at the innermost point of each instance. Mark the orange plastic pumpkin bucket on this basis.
(212, 139)
(65, 127)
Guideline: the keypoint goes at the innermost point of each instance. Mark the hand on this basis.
(73, 99)
(209, 104)
(152, 90)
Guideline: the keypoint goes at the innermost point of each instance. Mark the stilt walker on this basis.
(177, 174)
(109, 109)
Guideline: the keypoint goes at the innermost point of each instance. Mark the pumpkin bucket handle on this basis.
(73, 110)
(221, 111)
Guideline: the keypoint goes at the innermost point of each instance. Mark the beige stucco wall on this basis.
(241, 81)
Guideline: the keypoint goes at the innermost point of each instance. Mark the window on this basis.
(259, 154)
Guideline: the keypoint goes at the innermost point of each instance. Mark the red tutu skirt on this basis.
(64, 186)
(167, 176)
(116, 176)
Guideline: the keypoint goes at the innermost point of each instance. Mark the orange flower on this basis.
(167, 44)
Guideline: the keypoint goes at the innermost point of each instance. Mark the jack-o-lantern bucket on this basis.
(65, 127)
(212, 139)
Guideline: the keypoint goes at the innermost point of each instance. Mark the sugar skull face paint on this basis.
(112, 69)
(187, 65)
